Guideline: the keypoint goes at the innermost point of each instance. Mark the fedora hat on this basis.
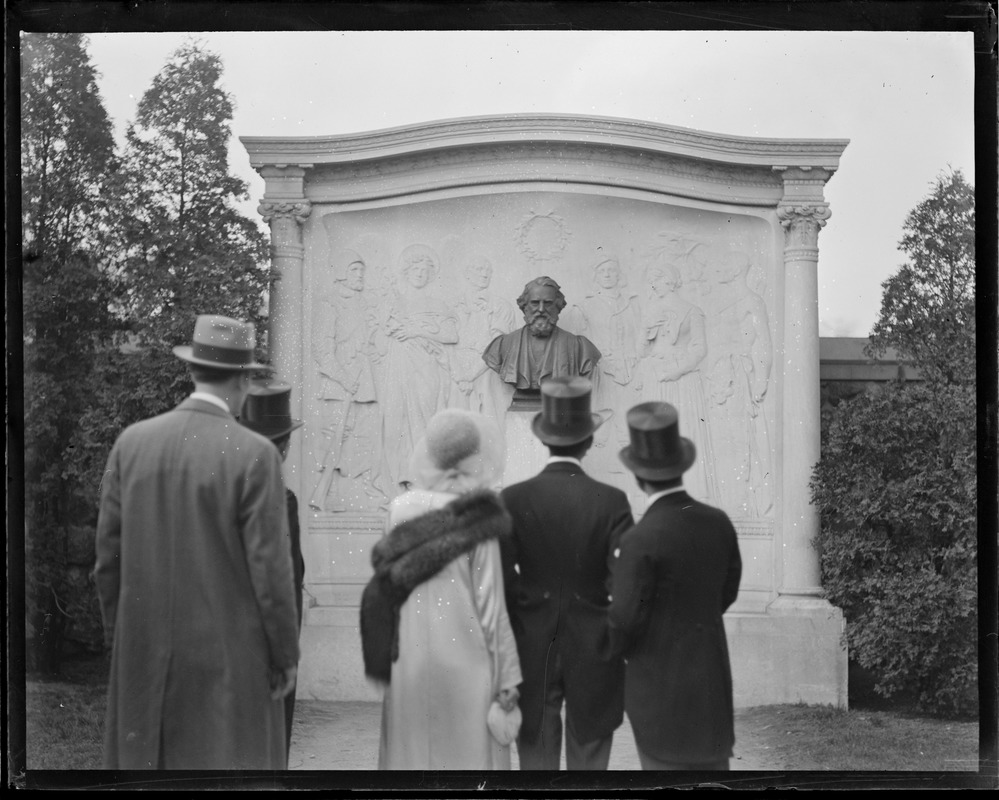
(222, 343)
(267, 409)
(565, 417)
(657, 451)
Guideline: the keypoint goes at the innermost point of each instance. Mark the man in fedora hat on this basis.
(556, 572)
(267, 410)
(194, 576)
(676, 573)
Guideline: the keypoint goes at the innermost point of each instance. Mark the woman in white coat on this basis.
(456, 652)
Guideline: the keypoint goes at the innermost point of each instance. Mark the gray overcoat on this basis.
(194, 577)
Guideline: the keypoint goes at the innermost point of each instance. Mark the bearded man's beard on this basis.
(541, 325)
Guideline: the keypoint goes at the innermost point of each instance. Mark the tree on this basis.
(896, 484)
(186, 248)
(183, 249)
(122, 254)
(67, 149)
(928, 306)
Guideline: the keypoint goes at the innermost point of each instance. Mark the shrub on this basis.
(896, 493)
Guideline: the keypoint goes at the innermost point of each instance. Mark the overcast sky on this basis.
(903, 99)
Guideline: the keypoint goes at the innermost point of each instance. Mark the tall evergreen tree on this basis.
(928, 306)
(67, 148)
(182, 248)
(67, 154)
(187, 249)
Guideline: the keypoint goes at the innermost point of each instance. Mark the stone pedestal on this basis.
(525, 455)
(400, 255)
(794, 653)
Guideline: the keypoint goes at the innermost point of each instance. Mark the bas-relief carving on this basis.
(674, 348)
(737, 375)
(353, 474)
(419, 324)
(482, 316)
(610, 314)
(542, 237)
(672, 313)
(388, 358)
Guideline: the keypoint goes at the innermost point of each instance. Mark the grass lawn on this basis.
(65, 720)
(816, 738)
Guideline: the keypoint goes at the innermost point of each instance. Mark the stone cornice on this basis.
(546, 130)
(565, 163)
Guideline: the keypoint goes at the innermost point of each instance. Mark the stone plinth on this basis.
(400, 256)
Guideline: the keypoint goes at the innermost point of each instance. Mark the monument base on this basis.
(786, 655)
(793, 653)
(525, 454)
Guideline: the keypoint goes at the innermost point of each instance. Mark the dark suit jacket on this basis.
(298, 574)
(565, 528)
(677, 572)
(297, 561)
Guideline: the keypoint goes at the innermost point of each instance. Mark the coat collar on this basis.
(197, 404)
(218, 402)
(572, 467)
(671, 498)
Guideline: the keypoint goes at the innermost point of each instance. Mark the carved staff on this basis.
(318, 499)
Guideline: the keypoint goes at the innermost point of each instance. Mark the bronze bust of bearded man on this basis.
(540, 349)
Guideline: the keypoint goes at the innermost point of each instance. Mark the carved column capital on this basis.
(801, 224)
(298, 210)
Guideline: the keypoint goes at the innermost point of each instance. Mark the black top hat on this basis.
(267, 409)
(565, 416)
(222, 343)
(657, 451)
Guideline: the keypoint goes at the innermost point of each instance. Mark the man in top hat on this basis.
(194, 576)
(267, 410)
(676, 573)
(556, 568)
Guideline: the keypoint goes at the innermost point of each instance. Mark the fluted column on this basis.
(802, 213)
(285, 208)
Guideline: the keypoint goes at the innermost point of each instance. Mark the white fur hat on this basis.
(460, 451)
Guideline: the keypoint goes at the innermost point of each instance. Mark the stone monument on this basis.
(689, 262)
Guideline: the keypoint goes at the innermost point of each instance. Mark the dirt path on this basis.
(344, 736)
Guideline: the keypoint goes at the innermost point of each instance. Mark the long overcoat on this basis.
(556, 567)
(194, 576)
(677, 572)
(456, 651)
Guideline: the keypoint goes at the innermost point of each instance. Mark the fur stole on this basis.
(417, 549)
(413, 552)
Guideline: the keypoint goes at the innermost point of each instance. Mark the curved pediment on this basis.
(474, 153)
(543, 130)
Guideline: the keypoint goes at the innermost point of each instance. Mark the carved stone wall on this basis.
(674, 250)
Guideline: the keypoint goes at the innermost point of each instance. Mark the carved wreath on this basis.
(535, 242)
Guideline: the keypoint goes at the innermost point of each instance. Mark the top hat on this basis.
(267, 409)
(565, 416)
(657, 451)
(222, 343)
